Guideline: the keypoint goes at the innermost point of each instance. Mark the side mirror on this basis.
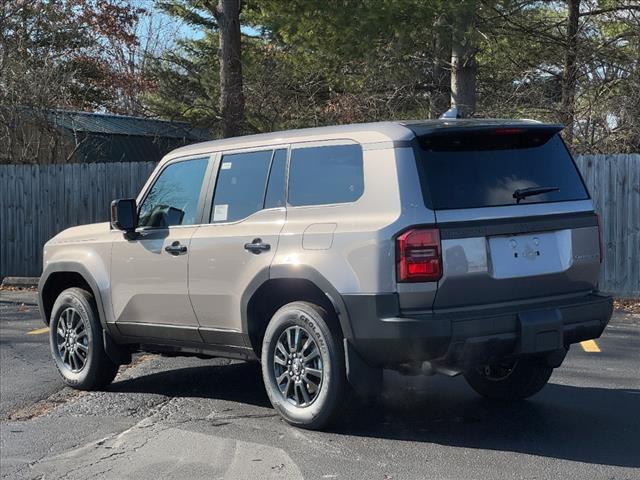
(124, 215)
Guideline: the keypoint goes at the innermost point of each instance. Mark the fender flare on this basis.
(117, 354)
(293, 272)
(70, 267)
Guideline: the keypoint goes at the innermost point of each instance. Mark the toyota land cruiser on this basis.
(328, 254)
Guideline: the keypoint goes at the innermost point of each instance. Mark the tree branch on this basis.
(600, 11)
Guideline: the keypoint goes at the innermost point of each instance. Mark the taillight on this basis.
(418, 256)
(600, 244)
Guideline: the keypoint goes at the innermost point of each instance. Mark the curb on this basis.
(23, 282)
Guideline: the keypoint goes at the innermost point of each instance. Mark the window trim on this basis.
(325, 143)
(215, 171)
(266, 180)
(286, 177)
(142, 196)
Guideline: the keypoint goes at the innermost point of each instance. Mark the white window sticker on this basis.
(225, 166)
(220, 212)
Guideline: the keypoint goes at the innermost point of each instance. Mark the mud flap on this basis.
(118, 354)
(365, 380)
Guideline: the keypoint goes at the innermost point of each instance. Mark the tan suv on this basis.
(328, 254)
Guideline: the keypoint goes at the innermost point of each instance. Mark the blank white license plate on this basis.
(530, 254)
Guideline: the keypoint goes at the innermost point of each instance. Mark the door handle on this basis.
(175, 248)
(257, 246)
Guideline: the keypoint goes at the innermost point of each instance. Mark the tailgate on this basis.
(499, 260)
(515, 218)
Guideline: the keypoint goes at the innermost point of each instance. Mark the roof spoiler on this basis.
(488, 137)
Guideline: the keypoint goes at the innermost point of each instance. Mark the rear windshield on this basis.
(459, 172)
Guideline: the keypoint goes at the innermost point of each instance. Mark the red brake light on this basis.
(508, 131)
(600, 244)
(419, 256)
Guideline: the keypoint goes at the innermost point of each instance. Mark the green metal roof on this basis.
(116, 138)
(124, 125)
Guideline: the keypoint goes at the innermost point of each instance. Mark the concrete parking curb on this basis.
(23, 282)
(19, 297)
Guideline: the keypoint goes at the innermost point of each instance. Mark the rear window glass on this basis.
(456, 173)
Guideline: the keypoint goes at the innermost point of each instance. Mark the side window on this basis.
(275, 196)
(173, 198)
(240, 186)
(325, 175)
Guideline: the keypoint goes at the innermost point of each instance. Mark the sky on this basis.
(175, 28)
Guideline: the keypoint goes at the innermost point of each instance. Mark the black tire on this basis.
(520, 380)
(316, 324)
(98, 370)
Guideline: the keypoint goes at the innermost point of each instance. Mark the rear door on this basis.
(515, 218)
(236, 247)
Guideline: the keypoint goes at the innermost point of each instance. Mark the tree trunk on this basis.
(441, 94)
(231, 93)
(570, 73)
(464, 68)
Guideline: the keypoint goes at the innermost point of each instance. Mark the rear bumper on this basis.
(383, 336)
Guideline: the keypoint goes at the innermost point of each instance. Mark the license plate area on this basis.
(531, 254)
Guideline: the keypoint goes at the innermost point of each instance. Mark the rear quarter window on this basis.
(325, 175)
(458, 173)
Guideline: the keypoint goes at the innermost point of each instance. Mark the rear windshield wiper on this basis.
(522, 193)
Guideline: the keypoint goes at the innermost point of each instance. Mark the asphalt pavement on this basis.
(166, 418)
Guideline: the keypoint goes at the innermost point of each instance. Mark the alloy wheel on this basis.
(72, 339)
(297, 365)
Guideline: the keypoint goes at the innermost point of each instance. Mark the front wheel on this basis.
(512, 381)
(303, 365)
(76, 342)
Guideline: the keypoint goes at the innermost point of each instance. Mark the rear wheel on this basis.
(510, 381)
(76, 342)
(303, 365)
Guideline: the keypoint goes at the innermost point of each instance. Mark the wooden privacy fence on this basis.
(614, 183)
(38, 201)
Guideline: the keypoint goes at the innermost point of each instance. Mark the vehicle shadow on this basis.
(584, 424)
(237, 382)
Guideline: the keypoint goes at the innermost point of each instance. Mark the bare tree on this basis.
(53, 56)
(129, 60)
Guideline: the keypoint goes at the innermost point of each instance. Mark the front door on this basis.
(149, 270)
(236, 248)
